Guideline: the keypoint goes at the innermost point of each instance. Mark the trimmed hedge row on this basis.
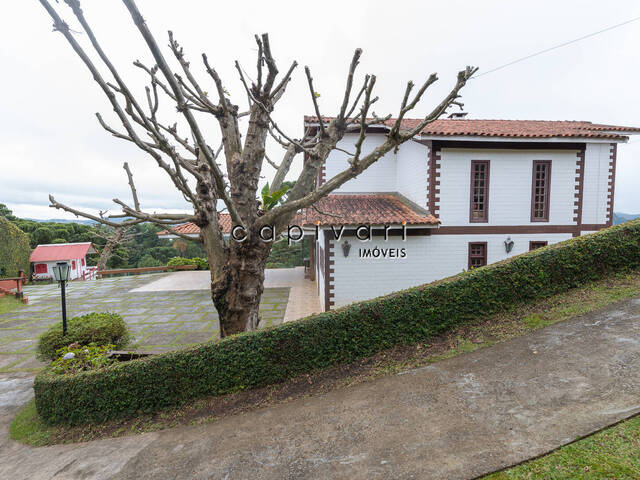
(271, 355)
(201, 263)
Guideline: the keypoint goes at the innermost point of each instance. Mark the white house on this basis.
(462, 194)
(44, 257)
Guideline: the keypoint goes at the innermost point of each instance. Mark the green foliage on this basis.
(267, 356)
(6, 213)
(98, 328)
(144, 241)
(148, 261)
(85, 357)
(14, 249)
(43, 235)
(49, 232)
(201, 263)
(270, 200)
(287, 256)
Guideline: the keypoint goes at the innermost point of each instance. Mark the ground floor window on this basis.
(40, 268)
(537, 244)
(477, 254)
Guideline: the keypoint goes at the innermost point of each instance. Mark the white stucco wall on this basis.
(412, 177)
(428, 258)
(510, 179)
(596, 174)
(73, 273)
(379, 177)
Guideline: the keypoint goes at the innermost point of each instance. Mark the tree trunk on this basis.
(112, 242)
(236, 294)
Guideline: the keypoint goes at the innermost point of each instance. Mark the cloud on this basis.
(50, 141)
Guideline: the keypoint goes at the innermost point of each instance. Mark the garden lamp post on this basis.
(61, 274)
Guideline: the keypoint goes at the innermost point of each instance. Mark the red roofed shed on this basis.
(44, 257)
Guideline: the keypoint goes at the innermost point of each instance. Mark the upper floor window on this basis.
(479, 203)
(540, 190)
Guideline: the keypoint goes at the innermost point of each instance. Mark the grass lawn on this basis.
(8, 303)
(610, 453)
(483, 332)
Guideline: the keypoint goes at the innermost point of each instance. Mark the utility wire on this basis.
(556, 47)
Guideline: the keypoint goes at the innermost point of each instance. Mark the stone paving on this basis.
(158, 321)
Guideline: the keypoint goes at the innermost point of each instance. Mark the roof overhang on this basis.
(477, 138)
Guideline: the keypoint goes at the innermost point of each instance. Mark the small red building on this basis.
(44, 257)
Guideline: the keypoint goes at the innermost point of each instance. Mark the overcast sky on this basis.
(50, 141)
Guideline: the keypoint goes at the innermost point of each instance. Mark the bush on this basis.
(283, 255)
(85, 357)
(148, 261)
(254, 359)
(14, 249)
(201, 263)
(98, 328)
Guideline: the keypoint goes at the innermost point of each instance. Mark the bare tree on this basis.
(237, 267)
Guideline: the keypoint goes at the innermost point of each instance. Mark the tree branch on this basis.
(314, 98)
(175, 88)
(134, 193)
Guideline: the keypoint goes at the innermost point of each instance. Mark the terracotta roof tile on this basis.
(342, 209)
(192, 229)
(367, 209)
(448, 127)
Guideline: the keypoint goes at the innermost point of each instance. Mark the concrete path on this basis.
(456, 419)
(303, 296)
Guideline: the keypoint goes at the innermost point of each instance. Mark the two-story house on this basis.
(462, 194)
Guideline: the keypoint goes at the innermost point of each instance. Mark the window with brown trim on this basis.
(537, 244)
(479, 201)
(477, 254)
(540, 190)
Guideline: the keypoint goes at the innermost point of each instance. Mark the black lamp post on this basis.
(61, 274)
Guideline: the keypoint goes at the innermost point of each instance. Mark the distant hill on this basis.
(624, 217)
(61, 220)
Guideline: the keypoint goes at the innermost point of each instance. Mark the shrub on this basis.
(201, 263)
(148, 261)
(271, 355)
(97, 328)
(283, 255)
(14, 249)
(85, 357)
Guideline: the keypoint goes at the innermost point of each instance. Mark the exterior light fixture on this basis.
(508, 244)
(346, 246)
(61, 274)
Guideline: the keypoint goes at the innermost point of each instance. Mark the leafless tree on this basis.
(237, 267)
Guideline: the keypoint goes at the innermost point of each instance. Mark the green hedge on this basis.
(201, 263)
(14, 250)
(99, 328)
(271, 355)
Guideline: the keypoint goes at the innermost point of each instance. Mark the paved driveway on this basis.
(455, 419)
(158, 320)
(303, 296)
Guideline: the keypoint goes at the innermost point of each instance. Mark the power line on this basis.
(556, 47)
